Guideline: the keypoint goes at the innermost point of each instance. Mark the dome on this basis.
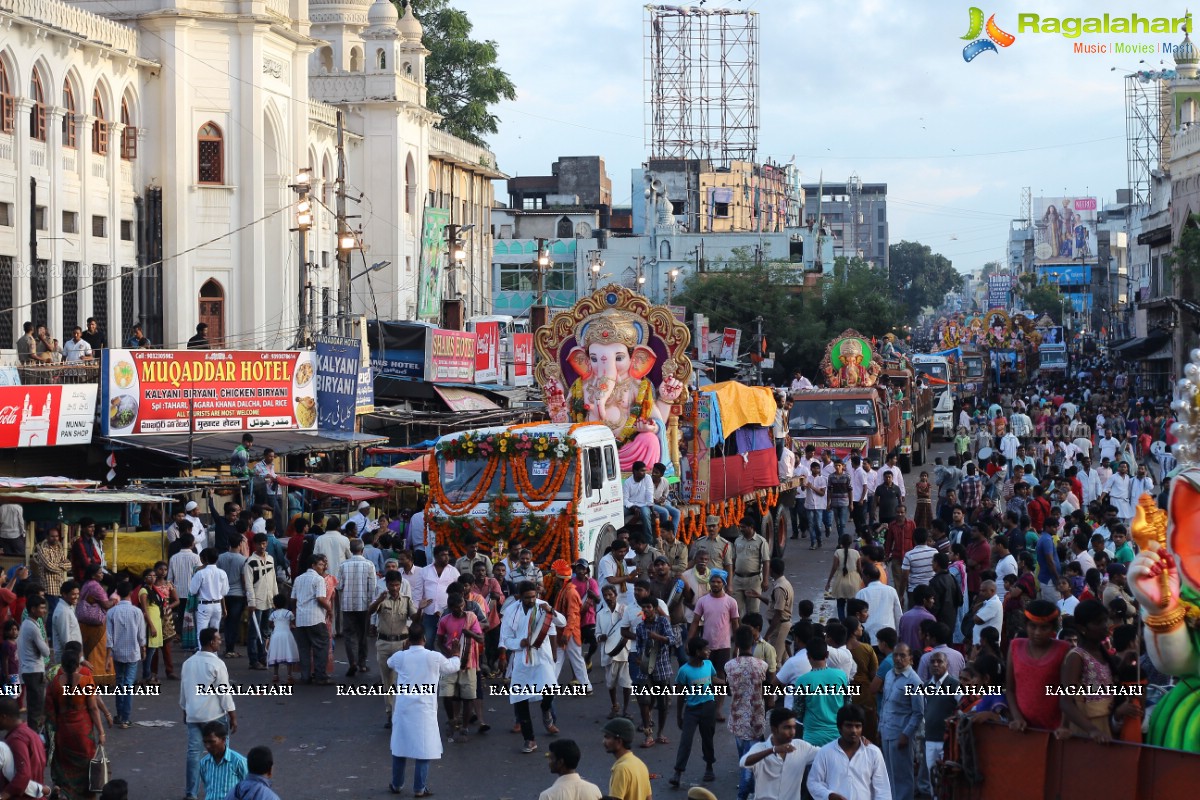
(409, 27)
(382, 13)
(1186, 52)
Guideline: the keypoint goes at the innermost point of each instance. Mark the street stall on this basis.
(310, 486)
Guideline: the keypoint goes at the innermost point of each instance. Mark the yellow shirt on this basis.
(630, 780)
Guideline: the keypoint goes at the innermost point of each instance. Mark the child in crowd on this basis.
(281, 648)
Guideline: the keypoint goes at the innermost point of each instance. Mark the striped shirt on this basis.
(356, 583)
(918, 563)
(222, 778)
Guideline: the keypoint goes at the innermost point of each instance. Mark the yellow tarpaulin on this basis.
(137, 550)
(743, 405)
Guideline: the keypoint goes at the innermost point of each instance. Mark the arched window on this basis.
(128, 133)
(100, 126)
(326, 59)
(410, 186)
(381, 58)
(8, 103)
(664, 250)
(356, 59)
(68, 120)
(37, 114)
(408, 68)
(565, 229)
(210, 147)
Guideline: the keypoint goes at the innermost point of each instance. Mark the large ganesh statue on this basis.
(1165, 578)
(617, 359)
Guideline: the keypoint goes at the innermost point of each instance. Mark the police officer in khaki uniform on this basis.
(751, 559)
(395, 610)
(720, 553)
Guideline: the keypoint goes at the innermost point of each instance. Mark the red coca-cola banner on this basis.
(522, 359)
(42, 416)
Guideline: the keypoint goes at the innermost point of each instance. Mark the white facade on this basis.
(230, 100)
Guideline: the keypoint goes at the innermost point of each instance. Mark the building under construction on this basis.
(855, 213)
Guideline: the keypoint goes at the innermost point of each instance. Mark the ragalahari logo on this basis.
(994, 37)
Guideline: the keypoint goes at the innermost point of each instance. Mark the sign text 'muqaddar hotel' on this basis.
(1074, 27)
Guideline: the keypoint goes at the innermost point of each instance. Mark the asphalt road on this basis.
(327, 746)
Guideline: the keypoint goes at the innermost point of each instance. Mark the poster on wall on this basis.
(174, 391)
(451, 357)
(522, 359)
(337, 382)
(44, 416)
(487, 352)
(433, 256)
(1064, 229)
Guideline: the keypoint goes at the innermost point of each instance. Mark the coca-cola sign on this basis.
(43, 416)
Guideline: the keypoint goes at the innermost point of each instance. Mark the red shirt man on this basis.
(899, 537)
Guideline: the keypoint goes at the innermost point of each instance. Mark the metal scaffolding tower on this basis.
(701, 83)
(1147, 130)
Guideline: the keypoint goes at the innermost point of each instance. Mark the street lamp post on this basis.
(641, 276)
(596, 264)
(539, 314)
(304, 220)
(672, 276)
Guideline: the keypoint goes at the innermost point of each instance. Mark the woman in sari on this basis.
(77, 727)
(169, 602)
(94, 603)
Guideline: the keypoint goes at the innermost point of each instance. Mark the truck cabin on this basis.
(833, 415)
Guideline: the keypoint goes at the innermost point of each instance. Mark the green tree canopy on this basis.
(921, 277)
(461, 75)
(798, 322)
(1044, 298)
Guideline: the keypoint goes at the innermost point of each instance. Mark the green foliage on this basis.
(992, 268)
(1185, 258)
(461, 75)
(1044, 298)
(921, 277)
(798, 323)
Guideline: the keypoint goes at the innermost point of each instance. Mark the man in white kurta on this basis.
(532, 664)
(414, 717)
(1119, 490)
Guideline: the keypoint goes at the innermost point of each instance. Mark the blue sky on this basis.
(854, 86)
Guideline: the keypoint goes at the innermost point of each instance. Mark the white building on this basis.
(148, 150)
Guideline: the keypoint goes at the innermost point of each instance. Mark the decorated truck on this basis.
(614, 373)
(866, 405)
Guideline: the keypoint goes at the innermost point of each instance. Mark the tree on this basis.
(920, 277)
(1044, 298)
(991, 268)
(461, 76)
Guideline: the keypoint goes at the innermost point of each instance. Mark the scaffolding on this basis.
(1147, 131)
(701, 83)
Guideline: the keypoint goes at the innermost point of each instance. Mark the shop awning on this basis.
(350, 493)
(1141, 346)
(84, 497)
(214, 449)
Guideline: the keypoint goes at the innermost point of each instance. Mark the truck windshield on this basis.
(835, 416)
(461, 478)
(936, 372)
(974, 367)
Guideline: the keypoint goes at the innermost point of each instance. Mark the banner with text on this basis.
(337, 382)
(433, 256)
(42, 416)
(364, 396)
(998, 290)
(730, 342)
(165, 391)
(487, 352)
(397, 348)
(522, 359)
(451, 357)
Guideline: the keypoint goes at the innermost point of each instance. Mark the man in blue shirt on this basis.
(1047, 560)
(257, 784)
(222, 769)
(901, 717)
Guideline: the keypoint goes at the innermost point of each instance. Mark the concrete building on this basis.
(742, 198)
(856, 212)
(149, 151)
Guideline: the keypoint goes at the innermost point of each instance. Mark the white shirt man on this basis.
(362, 523)
(1108, 446)
(610, 568)
(964, 419)
(992, 615)
(778, 778)
(1083, 446)
(639, 493)
(335, 547)
(1120, 494)
(815, 496)
(862, 776)
(787, 464)
(1021, 425)
(1005, 566)
(1090, 480)
(209, 585)
(1142, 484)
(1009, 445)
(199, 531)
(76, 351)
(884, 609)
(800, 384)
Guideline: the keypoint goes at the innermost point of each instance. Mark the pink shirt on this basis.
(718, 615)
(452, 628)
(588, 615)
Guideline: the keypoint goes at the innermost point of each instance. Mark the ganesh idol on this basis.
(609, 369)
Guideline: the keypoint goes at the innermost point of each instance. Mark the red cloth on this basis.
(734, 476)
(899, 538)
(29, 759)
(1031, 677)
(294, 547)
(83, 552)
(1039, 509)
(979, 554)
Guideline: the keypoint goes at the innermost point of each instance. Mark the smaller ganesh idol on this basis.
(618, 360)
(850, 362)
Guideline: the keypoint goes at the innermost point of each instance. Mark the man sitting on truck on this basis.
(639, 498)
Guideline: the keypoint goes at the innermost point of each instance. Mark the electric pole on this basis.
(304, 219)
(346, 239)
(758, 321)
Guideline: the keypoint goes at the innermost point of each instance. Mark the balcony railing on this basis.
(44, 374)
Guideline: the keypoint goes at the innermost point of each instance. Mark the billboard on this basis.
(998, 288)
(487, 352)
(397, 348)
(337, 382)
(44, 416)
(1064, 229)
(730, 344)
(364, 396)
(522, 359)
(174, 391)
(451, 356)
(433, 257)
